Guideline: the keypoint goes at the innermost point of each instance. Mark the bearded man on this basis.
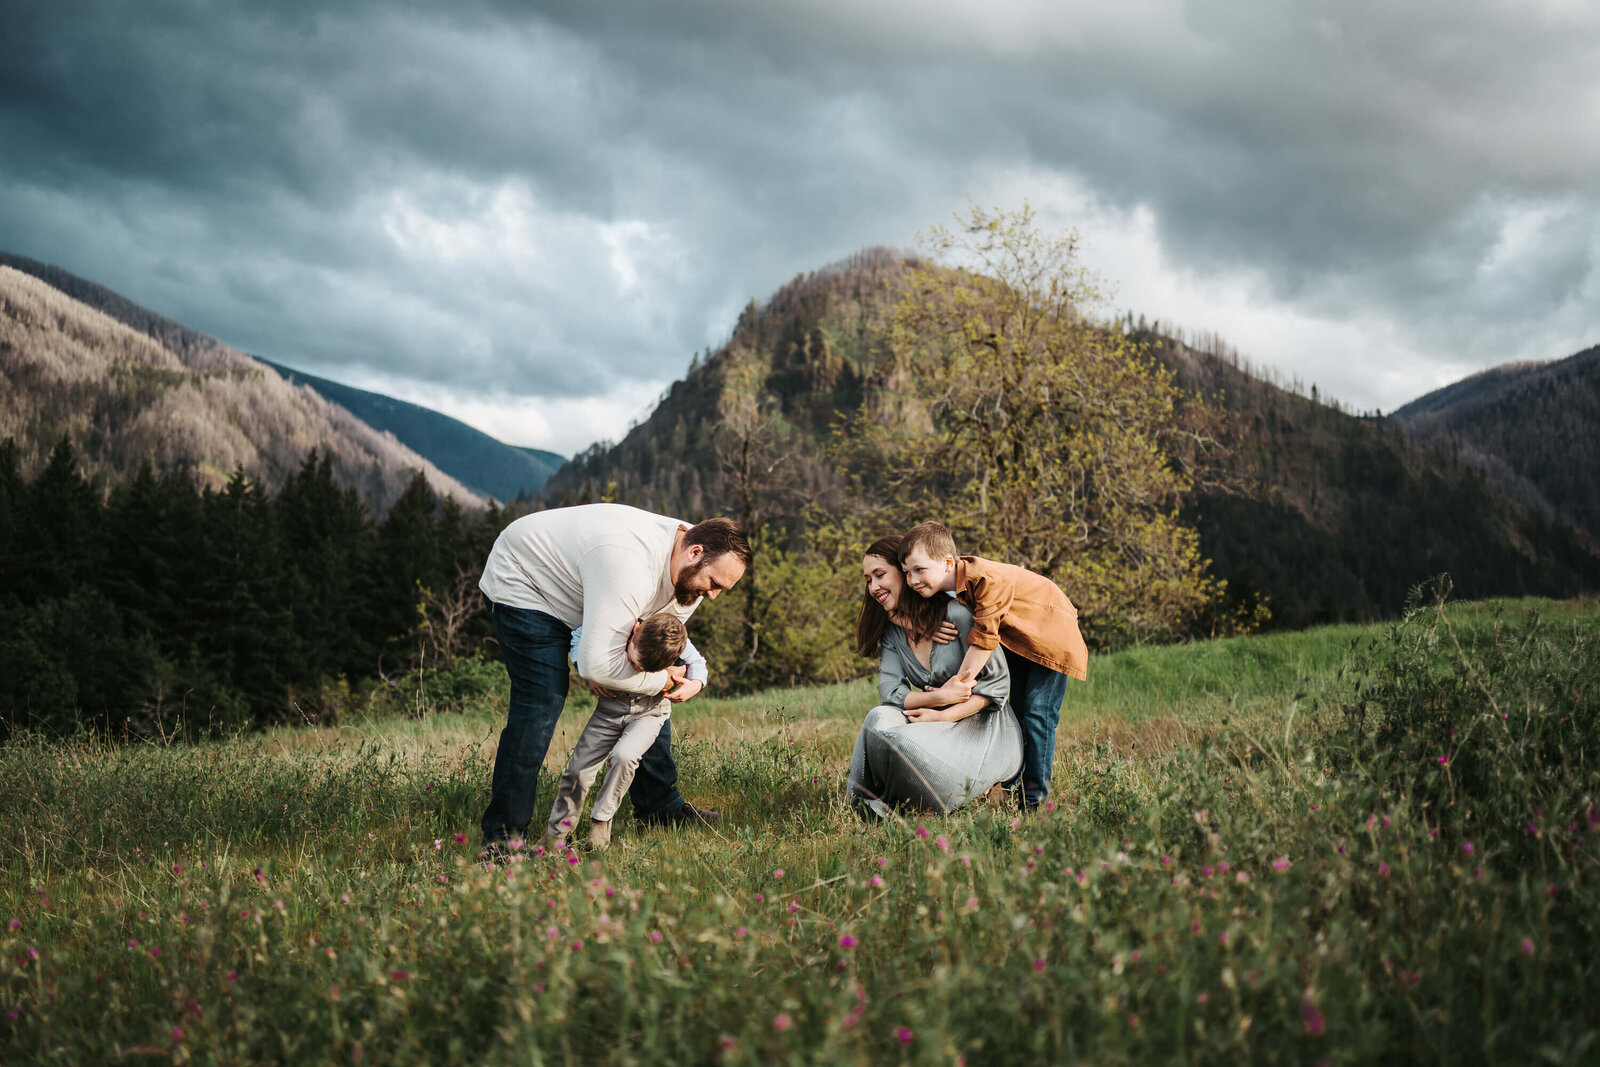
(602, 567)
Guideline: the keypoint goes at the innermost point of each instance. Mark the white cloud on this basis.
(558, 424)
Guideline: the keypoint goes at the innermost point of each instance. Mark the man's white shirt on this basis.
(600, 567)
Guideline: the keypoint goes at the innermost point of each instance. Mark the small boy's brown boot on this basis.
(599, 834)
(552, 844)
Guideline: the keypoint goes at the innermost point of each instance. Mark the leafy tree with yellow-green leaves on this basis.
(1040, 434)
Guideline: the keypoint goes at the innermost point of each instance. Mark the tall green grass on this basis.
(1291, 885)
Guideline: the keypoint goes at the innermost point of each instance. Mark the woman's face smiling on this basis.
(884, 581)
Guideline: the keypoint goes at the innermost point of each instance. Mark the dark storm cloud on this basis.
(551, 199)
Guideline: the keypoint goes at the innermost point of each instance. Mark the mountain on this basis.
(151, 389)
(1338, 520)
(1533, 428)
(474, 458)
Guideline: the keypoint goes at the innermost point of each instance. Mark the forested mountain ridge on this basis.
(1338, 518)
(790, 369)
(1342, 516)
(480, 462)
(161, 392)
(1534, 428)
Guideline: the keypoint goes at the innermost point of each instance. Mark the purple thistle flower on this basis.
(1312, 1017)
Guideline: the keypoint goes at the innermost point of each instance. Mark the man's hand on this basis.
(687, 688)
(675, 678)
(597, 690)
(946, 633)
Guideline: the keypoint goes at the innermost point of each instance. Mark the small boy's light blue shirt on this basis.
(691, 658)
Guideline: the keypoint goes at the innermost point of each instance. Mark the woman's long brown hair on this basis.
(919, 616)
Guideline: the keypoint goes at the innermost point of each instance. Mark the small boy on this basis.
(1026, 612)
(621, 731)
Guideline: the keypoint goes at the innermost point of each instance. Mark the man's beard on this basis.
(680, 589)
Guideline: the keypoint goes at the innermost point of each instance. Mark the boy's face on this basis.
(927, 575)
(627, 649)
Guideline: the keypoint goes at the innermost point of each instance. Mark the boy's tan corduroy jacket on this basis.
(1024, 611)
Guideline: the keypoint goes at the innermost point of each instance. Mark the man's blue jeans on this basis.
(1036, 696)
(534, 646)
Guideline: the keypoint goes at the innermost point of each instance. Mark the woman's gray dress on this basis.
(935, 766)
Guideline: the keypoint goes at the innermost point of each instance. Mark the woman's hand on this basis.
(950, 712)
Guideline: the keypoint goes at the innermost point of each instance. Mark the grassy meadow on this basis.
(1340, 845)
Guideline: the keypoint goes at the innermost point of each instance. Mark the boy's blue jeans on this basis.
(1036, 696)
(534, 646)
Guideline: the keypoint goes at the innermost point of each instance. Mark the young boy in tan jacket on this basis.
(1025, 612)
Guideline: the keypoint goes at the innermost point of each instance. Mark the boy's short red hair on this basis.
(932, 537)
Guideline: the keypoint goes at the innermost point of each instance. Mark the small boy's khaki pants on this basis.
(619, 733)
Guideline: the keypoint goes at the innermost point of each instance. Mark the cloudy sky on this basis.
(531, 215)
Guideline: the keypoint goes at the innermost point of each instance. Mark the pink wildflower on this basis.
(781, 1022)
(1311, 1016)
(904, 1034)
(922, 832)
(1383, 869)
(1466, 848)
(177, 1034)
(655, 937)
(461, 839)
(778, 873)
(1527, 946)
(847, 941)
(1040, 963)
(1281, 864)
(877, 881)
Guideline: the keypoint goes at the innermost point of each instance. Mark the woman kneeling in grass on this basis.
(923, 746)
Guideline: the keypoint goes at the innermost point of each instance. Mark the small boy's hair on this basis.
(932, 537)
(659, 641)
